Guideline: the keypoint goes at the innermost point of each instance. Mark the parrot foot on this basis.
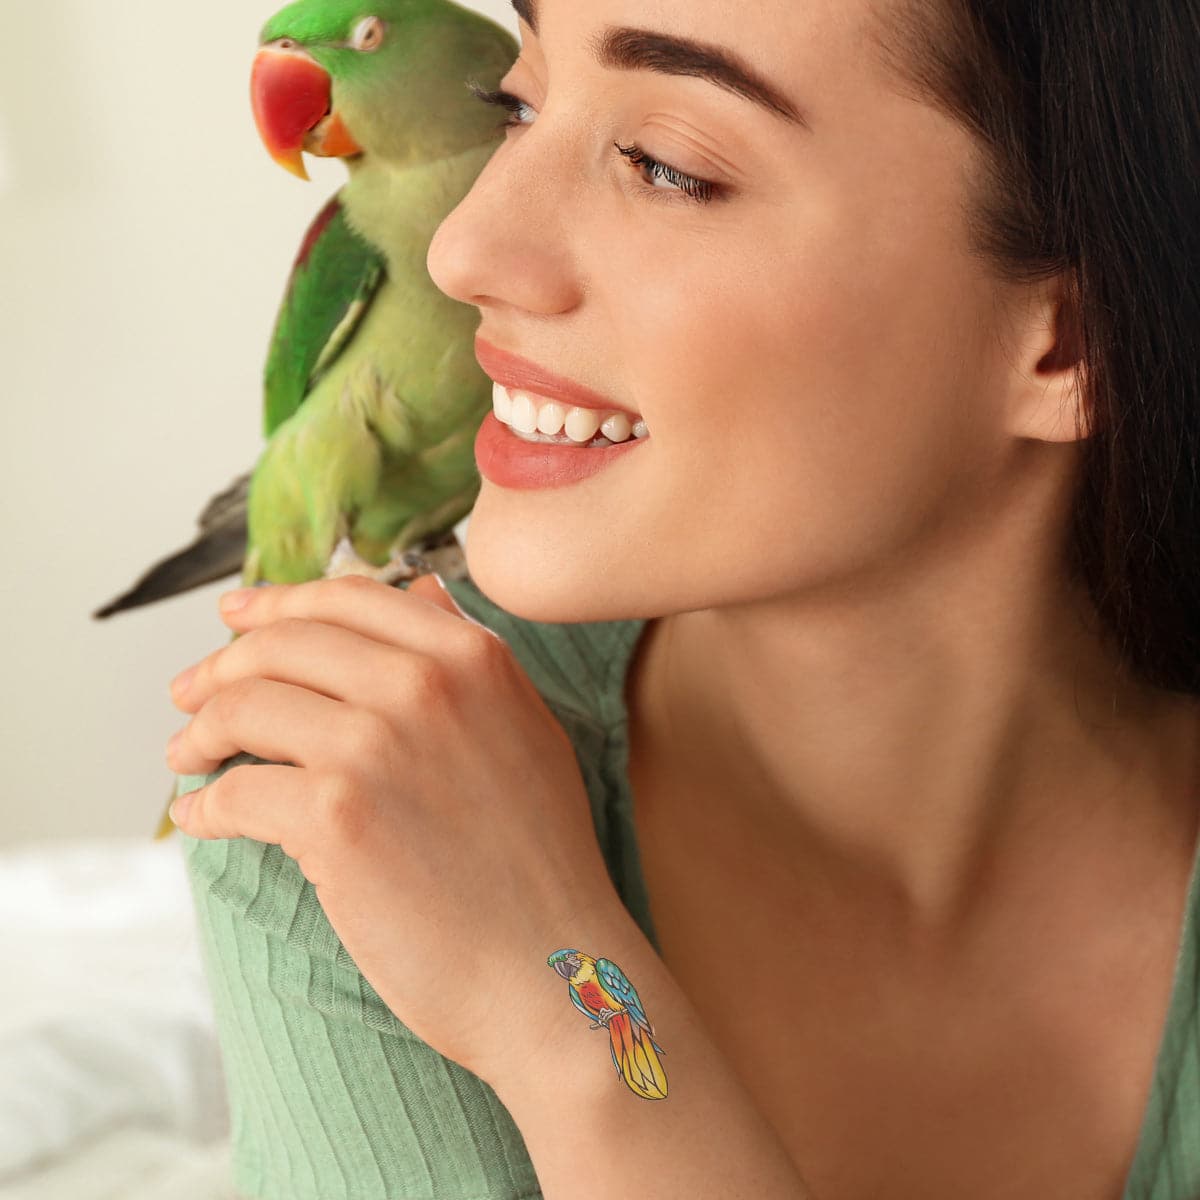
(444, 556)
(345, 560)
(603, 1016)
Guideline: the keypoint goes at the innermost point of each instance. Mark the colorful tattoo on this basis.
(601, 991)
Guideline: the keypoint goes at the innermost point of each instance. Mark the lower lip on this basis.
(509, 461)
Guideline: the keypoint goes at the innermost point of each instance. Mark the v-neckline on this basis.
(1156, 1141)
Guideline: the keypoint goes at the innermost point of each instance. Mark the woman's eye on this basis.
(500, 99)
(700, 190)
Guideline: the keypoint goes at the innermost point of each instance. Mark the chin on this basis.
(548, 576)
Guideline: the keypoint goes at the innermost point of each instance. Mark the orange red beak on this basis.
(292, 95)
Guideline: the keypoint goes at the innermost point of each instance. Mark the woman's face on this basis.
(814, 350)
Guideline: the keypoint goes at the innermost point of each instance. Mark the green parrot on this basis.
(372, 392)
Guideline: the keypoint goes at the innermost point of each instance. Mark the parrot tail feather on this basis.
(217, 553)
(634, 1053)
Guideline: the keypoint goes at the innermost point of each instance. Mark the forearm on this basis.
(583, 1126)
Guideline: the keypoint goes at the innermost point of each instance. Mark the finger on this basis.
(386, 614)
(433, 589)
(327, 659)
(271, 720)
(259, 800)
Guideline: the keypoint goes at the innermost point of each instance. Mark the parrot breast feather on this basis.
(333, 282)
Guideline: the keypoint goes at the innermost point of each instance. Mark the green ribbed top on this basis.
(331, 1096)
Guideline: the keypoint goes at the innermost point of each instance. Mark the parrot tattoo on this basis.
(602, 992)
(372, 392)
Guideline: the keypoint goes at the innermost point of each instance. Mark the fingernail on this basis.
(424, 582)
(181, 682)
(232, 601)
(179, 808)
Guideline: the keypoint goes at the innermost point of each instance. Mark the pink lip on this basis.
(513, 371)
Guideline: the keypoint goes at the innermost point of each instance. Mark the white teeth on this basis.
(501, 403)
(582, 424)
(551, 418)
(616, 428)
(538, 419)
(524, 413)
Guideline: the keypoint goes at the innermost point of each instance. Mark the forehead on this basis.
(762, 53)
(778, 42)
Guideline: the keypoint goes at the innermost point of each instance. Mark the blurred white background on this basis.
(145, 241)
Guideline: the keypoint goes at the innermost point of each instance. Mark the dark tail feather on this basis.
(217, 552)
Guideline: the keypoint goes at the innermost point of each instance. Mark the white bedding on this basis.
(110, 1075)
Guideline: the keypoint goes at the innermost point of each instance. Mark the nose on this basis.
(507, 242)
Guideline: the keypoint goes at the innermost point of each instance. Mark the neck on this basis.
(904, 738)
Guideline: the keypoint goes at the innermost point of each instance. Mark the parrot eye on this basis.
(368, 36)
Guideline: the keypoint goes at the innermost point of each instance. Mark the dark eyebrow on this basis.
(625, 49)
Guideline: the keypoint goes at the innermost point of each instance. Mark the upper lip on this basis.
(513, 371)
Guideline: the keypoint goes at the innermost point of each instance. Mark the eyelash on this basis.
(702, 191)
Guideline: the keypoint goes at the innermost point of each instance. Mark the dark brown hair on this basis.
(1088, 117)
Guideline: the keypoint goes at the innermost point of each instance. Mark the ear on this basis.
(1048, 397)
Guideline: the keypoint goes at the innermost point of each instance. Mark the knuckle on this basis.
(368, 739)
(429, 682)
(342, 807)
(352, 585)
(482, 651)
(233, 702)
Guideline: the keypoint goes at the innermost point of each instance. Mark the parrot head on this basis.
(349, 78)
(565, 962)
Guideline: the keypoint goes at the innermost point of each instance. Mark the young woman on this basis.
(868, 667)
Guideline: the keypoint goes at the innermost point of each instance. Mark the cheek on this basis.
(810, 414)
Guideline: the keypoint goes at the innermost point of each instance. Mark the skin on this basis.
(861, 621)
(884, 765)
(386, 717)
(875, 559)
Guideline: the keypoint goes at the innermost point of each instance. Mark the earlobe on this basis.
(1050, 397)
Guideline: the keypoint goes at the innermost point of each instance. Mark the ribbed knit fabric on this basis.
(1167, 1165)
(332, 1097)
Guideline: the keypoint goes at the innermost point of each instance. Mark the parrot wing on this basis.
(618, 986)
(336, 276)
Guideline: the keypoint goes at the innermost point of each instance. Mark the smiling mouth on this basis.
(535, 418)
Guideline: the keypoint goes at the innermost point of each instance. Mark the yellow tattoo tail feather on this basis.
(636, 1058)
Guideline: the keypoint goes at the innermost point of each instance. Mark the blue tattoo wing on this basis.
(617, 984)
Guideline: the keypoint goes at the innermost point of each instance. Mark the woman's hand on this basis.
(435, 803)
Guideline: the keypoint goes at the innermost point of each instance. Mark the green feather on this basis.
(373, 394)
(336, 276)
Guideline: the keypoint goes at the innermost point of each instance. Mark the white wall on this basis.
(145, 240)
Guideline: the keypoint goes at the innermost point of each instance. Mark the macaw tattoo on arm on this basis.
(602, 992)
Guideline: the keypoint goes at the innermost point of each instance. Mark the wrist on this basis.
(554, 1034)
(643, 1104)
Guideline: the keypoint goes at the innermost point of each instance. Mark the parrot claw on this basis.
(445, 558)
(345, 560)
